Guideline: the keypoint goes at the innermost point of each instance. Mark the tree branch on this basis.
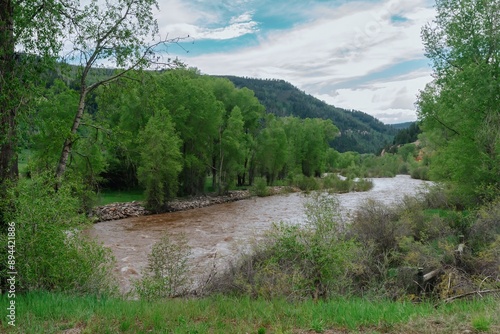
(479, 292)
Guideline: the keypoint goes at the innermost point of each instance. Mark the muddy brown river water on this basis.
(218, 234)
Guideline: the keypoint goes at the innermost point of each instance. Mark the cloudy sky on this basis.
(365, 55)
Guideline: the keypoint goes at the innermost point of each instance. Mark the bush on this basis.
(260, 188)
(421, 173)
(486, 227)
(167, 271)
(436, 197)
(296, 262)
(377, 223)
(52, 253)
(334, 184)
(305, 183)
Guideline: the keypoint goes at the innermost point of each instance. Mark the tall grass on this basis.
(120, 196)
(54, 313)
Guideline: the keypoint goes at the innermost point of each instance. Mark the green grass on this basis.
(119, 196)
(54, 313)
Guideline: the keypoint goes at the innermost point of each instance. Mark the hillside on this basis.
(360, 132)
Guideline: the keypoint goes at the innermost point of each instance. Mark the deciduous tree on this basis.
(460, 109)
(114, 34)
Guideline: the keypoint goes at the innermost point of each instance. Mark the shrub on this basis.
(435, 197)
(362, 185)
(260, 188)
(314, 260)
(421, 173)
(486, 227)
(167, 271)
(377, 223)
(305, 183)
(52, 253)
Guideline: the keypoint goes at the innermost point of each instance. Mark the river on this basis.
(218, 233)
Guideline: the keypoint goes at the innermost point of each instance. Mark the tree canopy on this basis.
(459, 110)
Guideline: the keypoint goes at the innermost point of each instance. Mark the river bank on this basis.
(116, 211)
(219, 234)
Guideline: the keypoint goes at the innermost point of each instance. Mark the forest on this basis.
(72, 129)
(359, 132)
(166, 132)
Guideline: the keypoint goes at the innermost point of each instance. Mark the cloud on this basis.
(391, 101)
(332, 53)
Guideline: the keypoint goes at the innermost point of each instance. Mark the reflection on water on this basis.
(218, 233)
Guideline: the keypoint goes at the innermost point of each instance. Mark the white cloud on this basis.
(332, 49)
(390, 101)
(237, 26)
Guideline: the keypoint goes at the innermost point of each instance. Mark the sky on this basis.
(353, 54)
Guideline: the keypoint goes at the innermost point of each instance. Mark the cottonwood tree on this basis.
(459, 110)
(231, 149)
(115, 34)
(272, 151)
(161, 160)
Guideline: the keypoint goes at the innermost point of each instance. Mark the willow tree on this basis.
(460, 109)
(116, 34)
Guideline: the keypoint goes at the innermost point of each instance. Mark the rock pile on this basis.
(202, 201)
(117, 211)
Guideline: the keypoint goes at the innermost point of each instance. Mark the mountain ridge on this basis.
(360, 132)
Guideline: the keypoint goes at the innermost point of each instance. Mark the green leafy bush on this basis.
(167, 272)
(259, 187)
(314, 260)
(52, 252)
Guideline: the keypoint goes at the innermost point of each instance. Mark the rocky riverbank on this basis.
(117, 211)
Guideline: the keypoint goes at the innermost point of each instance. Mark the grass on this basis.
(119, 196)
(55, 313)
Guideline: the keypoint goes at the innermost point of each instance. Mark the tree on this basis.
(232, 150)
(161, 160)
(28, 38)
(459, 109)
(272, 150)
(317, 135)
(107, 34)
(197, 116)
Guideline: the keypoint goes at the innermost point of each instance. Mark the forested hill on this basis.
(360, 132)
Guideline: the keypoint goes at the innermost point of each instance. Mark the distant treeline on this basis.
(359, 132)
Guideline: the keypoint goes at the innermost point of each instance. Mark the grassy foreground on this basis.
(59, 313)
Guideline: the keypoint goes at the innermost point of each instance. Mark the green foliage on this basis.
(360, 132)
(421, 173)
(167, 274)
(51, 123)
(54, 313)
(52, 252)
(407, 135)
(160, 162)
(310, 261)
(260, 188)
(232, 150)
(459, 109)
(272, 150)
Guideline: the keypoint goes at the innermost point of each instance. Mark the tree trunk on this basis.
(8, 97)
(68, 143)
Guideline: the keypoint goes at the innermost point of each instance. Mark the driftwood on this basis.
(432, 274)
(478, 292)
